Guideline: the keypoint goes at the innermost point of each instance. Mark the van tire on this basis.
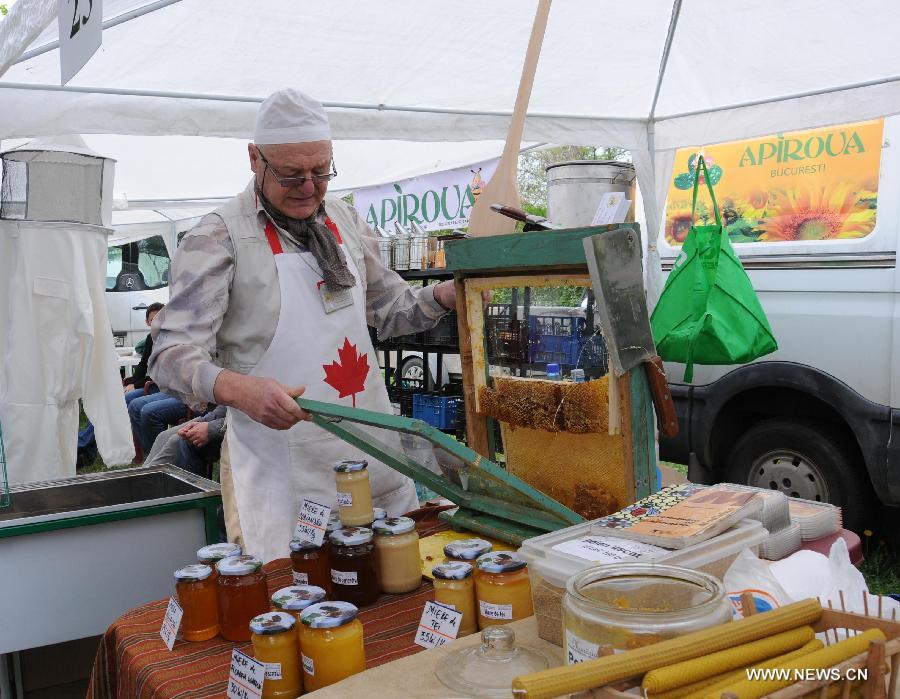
(802, 458)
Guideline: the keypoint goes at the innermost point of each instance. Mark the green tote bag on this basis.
(708, 312)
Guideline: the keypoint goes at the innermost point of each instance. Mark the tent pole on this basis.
(111, 22)
(44, 87)
(663, 62)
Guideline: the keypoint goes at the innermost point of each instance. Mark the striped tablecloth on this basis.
(132, 660)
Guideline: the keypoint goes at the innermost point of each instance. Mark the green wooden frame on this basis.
(490, 500)
(558, 252)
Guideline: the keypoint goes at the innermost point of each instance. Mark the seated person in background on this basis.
(139, 377)
(191, 446)
(150, 410)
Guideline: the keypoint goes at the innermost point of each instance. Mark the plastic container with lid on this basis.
(295, 598)
(489, 669)
(242, 595)
(502, 588)
(195, 588)
(212, 554)
(331, 644)
(309, 564)
(553, 372)
(397, 554)
(276, 643)
(354, 495)
(550, 568)
(454, 587)
(354, 576)
(467, 550)
(632, 605)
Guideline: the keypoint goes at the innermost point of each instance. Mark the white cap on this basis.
(290, 116)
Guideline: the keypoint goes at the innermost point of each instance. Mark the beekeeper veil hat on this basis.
(291, 116)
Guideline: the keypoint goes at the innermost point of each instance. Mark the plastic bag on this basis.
(749, 574)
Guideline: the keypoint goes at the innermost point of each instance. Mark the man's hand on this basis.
(264, 400)
(445, 294)
(196, 433)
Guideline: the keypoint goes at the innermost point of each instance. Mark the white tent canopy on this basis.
(649, 76)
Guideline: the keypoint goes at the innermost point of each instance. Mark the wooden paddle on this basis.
(503, 187)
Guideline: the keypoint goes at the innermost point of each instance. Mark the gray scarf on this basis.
(319, 240)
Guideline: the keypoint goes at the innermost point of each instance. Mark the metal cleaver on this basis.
(614, 261)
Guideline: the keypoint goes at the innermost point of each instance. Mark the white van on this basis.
(137, 274)
(814, 217)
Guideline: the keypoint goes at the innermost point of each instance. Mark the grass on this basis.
(881, 568)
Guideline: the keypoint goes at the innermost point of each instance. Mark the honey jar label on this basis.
(345, 499)
(495, 611)
(171, 622)
(349, 578)
(273, 671)
(300, 578)
(309, 667)
(578, 650)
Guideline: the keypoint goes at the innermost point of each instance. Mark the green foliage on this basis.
(4, 10)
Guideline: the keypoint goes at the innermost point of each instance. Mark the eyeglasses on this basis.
(298, 181)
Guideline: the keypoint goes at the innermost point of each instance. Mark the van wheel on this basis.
(412, 373)
(802, 460)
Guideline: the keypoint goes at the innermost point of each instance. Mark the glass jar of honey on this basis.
(454, 587)
(354, 495)
(242, 595)
(296, 598)
(354, 577)
(397, 554)
(196, 592)
(212, 554)
(380, 513)
(310, 565)
(466, 550)
(276, 643)
(331, 644)
(502, 588)
(334, 523)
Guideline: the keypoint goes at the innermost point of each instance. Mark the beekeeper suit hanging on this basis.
(56, 344)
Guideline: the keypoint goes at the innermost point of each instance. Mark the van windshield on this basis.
(138, 266)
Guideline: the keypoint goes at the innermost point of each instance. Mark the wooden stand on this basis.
(540, 259)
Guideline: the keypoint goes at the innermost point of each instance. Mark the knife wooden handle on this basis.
(662, 397)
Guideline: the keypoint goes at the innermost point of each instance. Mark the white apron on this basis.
(275, 470)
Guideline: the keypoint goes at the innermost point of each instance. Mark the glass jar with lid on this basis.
(455, 587)
(631, 605)
(195, 589)
(502, 588)
(397, 554)
(276, 643)
(380, 513)
(242, 595)
(296, 598)
(354, 495)
(334, 523)
(466, 550)
(212, 554)
(309, 564)
(331, 644)
(354, 577)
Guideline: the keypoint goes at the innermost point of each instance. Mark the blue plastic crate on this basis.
(437, 411)
(555, 339)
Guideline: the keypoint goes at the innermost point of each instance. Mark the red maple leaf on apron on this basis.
(348, 375)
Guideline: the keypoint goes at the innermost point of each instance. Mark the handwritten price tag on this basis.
(245, 681)
(311, 522)
(439, 625)
(171, 622)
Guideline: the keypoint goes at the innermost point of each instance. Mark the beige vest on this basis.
(254, 302)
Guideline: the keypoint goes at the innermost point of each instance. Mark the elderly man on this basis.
(270, 299)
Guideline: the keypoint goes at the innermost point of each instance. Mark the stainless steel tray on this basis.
(100, 493)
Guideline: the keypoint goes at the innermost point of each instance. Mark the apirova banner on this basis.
(818, 184)
(436, 201)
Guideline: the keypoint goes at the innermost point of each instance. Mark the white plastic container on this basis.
(550, 569)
